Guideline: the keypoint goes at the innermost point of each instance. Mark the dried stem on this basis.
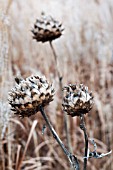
(73, 160)
(67, 129)
(82, 126)
(27, 144)
(57, 70)
(66, 122)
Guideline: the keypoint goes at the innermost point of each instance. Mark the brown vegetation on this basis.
(84, 56)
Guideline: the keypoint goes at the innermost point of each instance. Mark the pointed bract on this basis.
(26, 97)
(77, 100)
(47, 29)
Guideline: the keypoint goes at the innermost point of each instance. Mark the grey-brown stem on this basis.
(73, 160)
(66, 121)
(82, 126)
(57, 70)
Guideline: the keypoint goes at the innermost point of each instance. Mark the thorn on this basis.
(43, 129)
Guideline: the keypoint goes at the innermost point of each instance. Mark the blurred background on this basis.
(85, 55)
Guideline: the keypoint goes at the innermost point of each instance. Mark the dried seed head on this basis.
(77, 100)
(26, 97)
(47, 29)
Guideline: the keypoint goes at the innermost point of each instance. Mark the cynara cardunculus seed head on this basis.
(27, 96)
(77, 100)
(47, 29)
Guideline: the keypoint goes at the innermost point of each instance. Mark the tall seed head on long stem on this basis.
(47, 29)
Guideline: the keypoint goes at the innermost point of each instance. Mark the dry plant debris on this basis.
(47, 29)
(26, 97)
(85, 51)
(77, 100)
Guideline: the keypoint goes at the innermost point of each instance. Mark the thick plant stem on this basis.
(73, 160)
(82, 126)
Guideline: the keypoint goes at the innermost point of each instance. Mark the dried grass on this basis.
(85, 55)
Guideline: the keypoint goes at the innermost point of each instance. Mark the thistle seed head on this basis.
(77, 100)
(47, 29)
(28, 94)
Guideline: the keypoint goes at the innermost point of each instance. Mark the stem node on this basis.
(82, 126)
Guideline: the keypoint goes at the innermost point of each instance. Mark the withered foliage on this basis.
(85, 56)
